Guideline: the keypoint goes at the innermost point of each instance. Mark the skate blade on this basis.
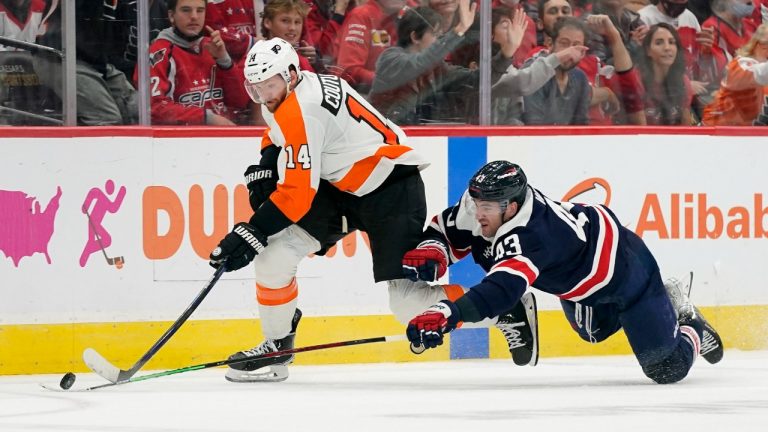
(273, 373)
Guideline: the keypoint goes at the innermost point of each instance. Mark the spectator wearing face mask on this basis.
(732, 27)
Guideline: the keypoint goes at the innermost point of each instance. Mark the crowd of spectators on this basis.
(553, 62)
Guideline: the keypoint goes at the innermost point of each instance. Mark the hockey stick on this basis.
(233, 361)
(117, 261)
(97, 363)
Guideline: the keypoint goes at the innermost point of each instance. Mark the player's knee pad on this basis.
(276, 265)
(674, 367)
(408, 298)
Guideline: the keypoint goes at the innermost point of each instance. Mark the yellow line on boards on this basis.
(57, 348)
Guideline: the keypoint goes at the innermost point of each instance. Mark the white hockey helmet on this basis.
(268, 58)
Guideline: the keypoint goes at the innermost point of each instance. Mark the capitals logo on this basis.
(156, 57)
(200, 97)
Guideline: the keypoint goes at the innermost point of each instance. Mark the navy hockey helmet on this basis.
(499, 181)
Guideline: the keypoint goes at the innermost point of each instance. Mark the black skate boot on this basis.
(689, 315)
(520, 327)
(271, 369)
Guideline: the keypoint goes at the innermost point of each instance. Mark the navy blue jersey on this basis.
(573, 251)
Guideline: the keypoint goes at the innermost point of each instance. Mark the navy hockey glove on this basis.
(261, 182)
(428, 328)
(428, 262)
(239, 247)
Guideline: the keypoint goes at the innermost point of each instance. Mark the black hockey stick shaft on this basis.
(126, 374)
(263, 356)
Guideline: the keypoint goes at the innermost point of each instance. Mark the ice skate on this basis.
(689, 315)
(520, 328)
(271, 369)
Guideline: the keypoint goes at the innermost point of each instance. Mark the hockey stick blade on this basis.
(227, 362)
(98, 364)
(101, 366)
(56, 388)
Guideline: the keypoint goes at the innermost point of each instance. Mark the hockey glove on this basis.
(239, 247)
(261, 182)
(428, 328)
(427, 262)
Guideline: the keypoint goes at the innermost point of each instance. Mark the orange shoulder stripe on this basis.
(295, 194)
(360, 171)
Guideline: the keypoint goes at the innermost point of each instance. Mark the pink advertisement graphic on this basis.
(24, 229)
(96, 205)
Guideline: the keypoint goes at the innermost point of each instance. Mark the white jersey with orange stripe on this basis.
(329, 132)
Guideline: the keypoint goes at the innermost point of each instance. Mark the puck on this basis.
(418, 349)
(67, 380)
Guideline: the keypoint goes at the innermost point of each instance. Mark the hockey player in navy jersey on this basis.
(605, 276)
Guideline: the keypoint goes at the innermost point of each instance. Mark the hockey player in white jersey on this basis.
(330, 164)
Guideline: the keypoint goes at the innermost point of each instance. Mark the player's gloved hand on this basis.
(261, 181)
(427, 262)
(428, 328)
(239, 247)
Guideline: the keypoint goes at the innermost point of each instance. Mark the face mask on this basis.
(741, 10)
(674, 9)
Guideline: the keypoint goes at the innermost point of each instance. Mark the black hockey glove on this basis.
(428, 328)
(239, 247)
(261, 181)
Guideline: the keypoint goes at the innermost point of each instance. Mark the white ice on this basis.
(560, 394)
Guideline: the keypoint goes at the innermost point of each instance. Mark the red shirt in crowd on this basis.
(324, 30)
(366, 33)
(185, 82)
(727, 39)
(236, 21)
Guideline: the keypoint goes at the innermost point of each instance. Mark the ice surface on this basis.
(560, 394)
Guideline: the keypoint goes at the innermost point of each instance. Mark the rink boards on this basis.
(696, 196)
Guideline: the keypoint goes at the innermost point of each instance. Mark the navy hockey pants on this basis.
(643, 309)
